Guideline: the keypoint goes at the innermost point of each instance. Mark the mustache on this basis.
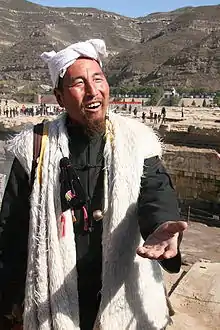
(90, 100)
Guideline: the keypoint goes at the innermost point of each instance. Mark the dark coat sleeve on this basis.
(14, 218)
(157, 203)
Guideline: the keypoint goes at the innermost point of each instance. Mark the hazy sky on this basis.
(132, 8)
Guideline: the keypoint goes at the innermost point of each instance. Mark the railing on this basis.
(199, 215)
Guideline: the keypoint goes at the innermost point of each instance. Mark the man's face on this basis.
(85, 93)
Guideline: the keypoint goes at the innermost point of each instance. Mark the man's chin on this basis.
(94, 122)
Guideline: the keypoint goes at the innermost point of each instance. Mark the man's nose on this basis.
(91, 89)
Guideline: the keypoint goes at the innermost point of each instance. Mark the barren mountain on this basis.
(189, 33)
(194, 66)
(174, 48)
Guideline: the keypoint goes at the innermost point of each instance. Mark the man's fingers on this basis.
(150, 253)
(159, 251)
(156, 254)
(171, 253)
(174, 227)
(171, 249)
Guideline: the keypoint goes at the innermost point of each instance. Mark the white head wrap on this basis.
(59, 62)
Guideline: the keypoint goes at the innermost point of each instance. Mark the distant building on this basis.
(170, 93)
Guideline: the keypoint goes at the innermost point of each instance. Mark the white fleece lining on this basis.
(133, 292)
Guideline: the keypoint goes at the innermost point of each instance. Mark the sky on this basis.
(131, 8)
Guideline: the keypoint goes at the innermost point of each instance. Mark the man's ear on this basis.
(59, 97)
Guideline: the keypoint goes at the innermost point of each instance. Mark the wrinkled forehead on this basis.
(88, 59)
(83, 66)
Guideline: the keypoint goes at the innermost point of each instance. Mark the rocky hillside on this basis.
(193, 66)
(170, 49)
(182, 52)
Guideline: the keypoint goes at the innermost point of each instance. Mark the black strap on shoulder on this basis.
(37, 139)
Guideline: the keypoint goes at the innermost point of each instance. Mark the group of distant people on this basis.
(158, 118)
(40, 110)
(154, 117)
(11, 112)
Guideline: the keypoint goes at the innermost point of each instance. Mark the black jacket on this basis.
(157, 203)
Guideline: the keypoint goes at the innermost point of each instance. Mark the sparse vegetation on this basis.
(134, 66)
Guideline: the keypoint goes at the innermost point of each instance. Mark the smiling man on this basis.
(86, 228)
(87, 109)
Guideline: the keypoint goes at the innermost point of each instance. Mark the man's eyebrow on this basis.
(100, 73)
(72, 79)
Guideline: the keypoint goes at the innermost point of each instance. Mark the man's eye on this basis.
(98, 79)
(78, 82)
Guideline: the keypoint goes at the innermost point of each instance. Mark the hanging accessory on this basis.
(74, 193)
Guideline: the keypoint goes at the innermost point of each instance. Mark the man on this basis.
(98, 176)
(163, 114)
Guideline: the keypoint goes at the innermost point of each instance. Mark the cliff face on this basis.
(174, 48)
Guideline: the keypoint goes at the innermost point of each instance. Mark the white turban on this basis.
(59, 62)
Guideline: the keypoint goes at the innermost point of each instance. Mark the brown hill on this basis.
(28, 29)
(157, 59)
(174, 48)
(195, 66)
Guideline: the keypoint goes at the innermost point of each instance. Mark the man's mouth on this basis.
(92, 106)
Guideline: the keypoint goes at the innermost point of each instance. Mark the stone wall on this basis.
(195, 174)
(202, 138)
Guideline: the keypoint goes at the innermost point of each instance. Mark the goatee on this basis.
(94, 127)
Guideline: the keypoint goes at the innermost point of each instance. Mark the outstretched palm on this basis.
(163, 242)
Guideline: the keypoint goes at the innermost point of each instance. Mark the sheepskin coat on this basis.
(132, 288)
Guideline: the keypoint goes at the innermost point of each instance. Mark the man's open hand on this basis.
(163, 242)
